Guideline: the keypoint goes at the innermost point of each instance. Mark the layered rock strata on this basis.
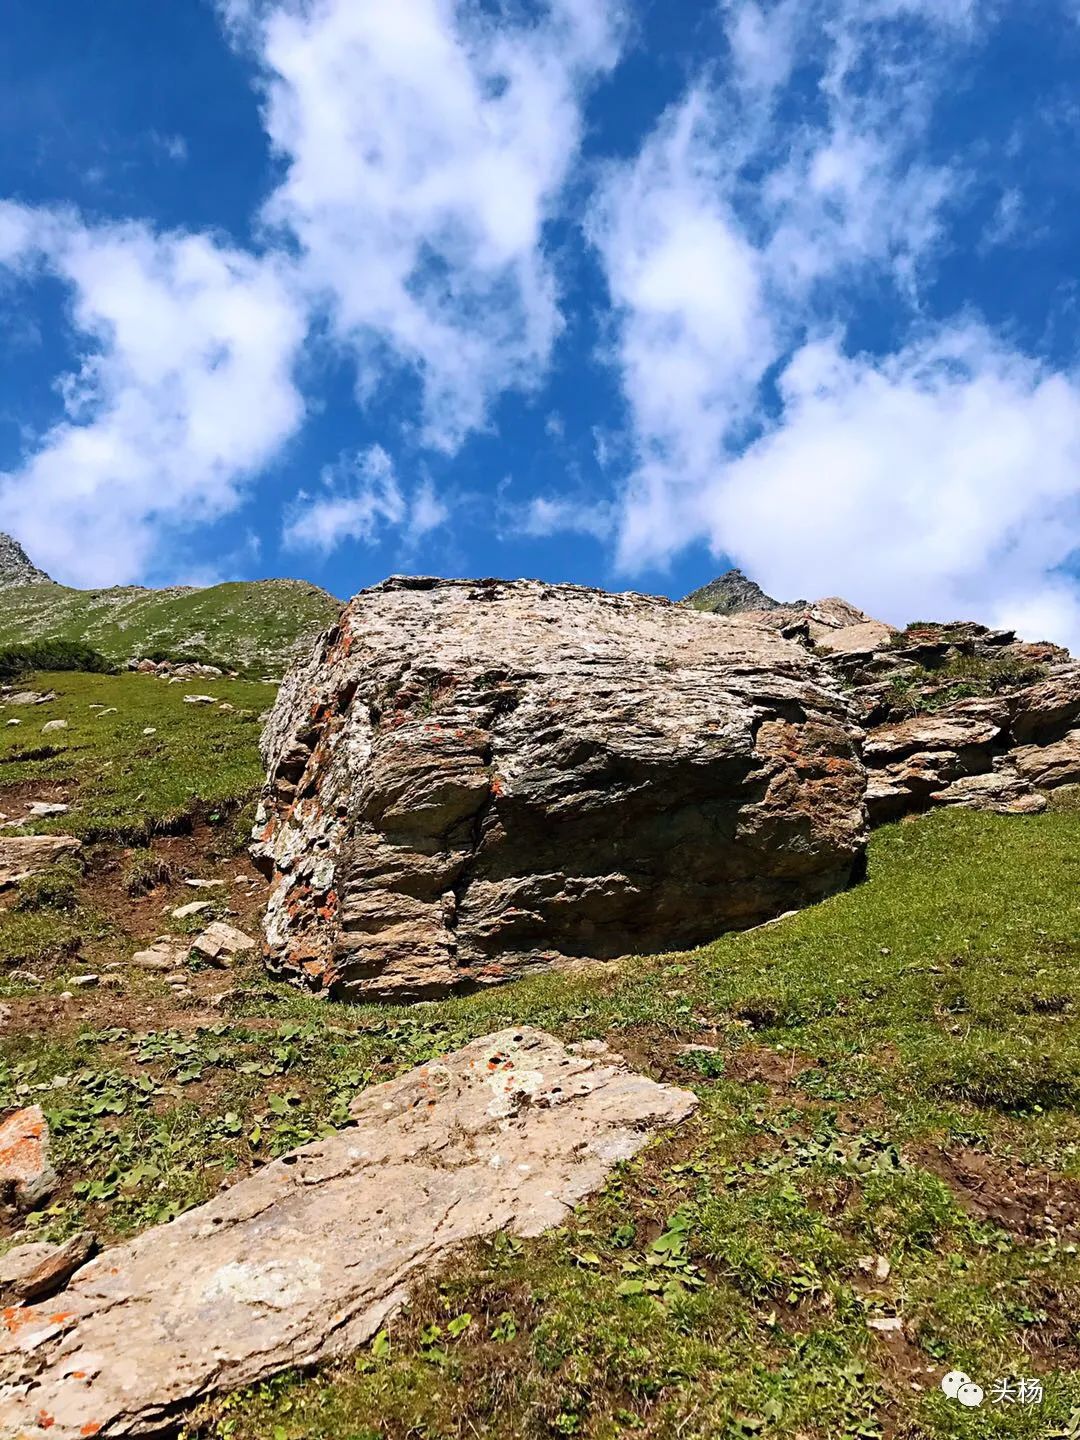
(468, 780)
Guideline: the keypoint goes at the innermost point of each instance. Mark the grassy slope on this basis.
(935, 1007)
(128, 785)
(248, 624)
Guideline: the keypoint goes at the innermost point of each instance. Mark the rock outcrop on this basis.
(23, 856)
(955, 714)
(469, 779)
(16, 567)
(305, 1259)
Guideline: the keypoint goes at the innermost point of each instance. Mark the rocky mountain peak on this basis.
(16, 567)
(734, 593)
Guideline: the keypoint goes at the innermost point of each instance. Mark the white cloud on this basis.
(426, 145)
(182, 392)
(359, 499)
(940, 479)
(939, 482)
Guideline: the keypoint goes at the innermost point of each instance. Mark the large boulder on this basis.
(469, 779)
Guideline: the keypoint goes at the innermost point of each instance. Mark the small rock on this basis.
(194, 907)
(112, 982)
(26, 1177)
(51, 725)
(30, 697)
(200, 700)
(33, 1272)
(107, 710)
(204, 884)
(26, 977)
(220, 942)
(82, 982)
(226, 707)
(42, 809)
(888, 1324)
(163, 955)
(150, 730)
(66, 995)
(13, 722)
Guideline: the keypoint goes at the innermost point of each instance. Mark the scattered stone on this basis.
(107, 710)
(165, 954)
(194, 907)
(306, 1259)
(65, 995)
(112, 982)
(51, 725)
(219, 943)
(30, 697)
(25, 977)
(82, 982)
(150, 730)
(200, 699)
(26, 1177)
(35, 1271)
(887, 1324)
(204, 884)
(22, 856)
(13, 722)
(469, 780)
(44, 809)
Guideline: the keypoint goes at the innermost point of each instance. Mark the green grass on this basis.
(719, 1286)
(127, 785)
(961, 677)
(254, 626)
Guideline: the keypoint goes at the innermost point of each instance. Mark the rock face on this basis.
(469, 779)
(306, 1259)
(16, 568)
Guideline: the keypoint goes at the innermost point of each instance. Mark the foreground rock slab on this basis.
(22, 856)
(472, 779)
(305, 1259)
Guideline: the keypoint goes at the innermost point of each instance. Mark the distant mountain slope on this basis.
(249, 625)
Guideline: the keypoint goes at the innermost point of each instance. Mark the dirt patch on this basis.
(759, 1065)
(1021, 1199)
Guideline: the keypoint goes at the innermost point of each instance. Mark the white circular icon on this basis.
(970, 1395)
(951, 1382)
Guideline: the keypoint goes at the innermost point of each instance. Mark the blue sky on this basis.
(611, 291)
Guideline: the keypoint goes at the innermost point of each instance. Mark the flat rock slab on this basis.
(22, 856)
(304, 1260)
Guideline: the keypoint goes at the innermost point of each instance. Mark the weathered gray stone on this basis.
(219, 943)
(304, 1260)
(22, 856)
(1047, 711)
(35, 1271)
(1048, 766)
(1002, 792)
(471, 779)
(26, 1177)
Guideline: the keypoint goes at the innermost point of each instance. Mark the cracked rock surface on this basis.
(469, 779)
(305, 1259)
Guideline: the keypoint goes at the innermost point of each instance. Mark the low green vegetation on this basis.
(960, 677)
(135, 757)
(254, 626)
(18, 660)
